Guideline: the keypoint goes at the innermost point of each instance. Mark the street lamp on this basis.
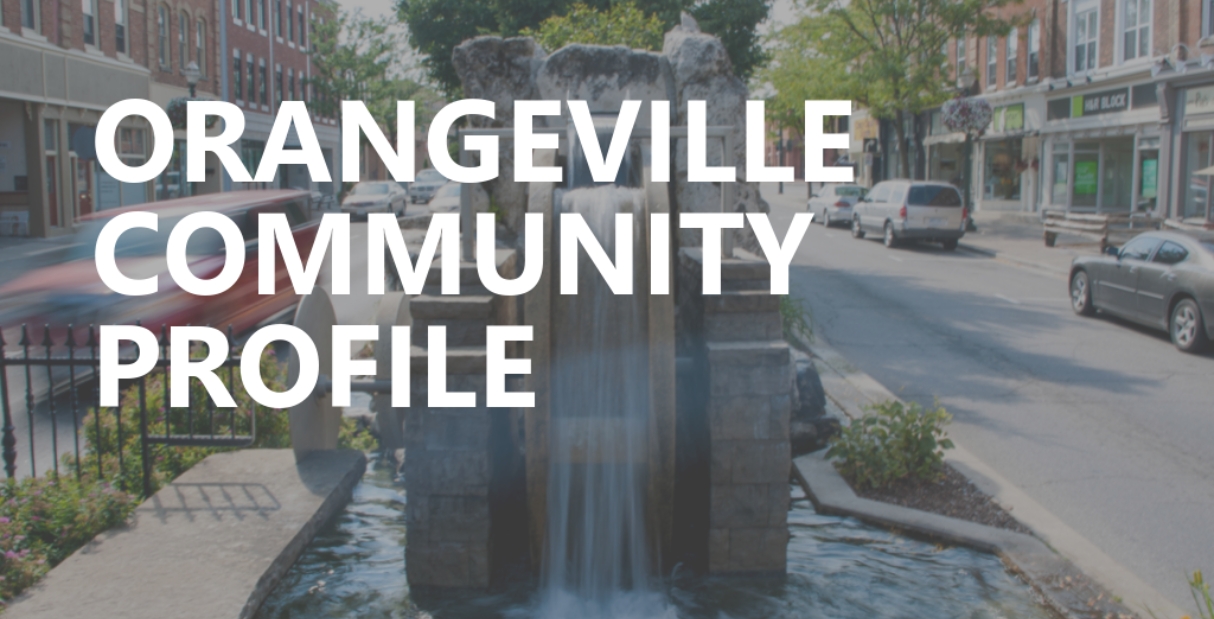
(192, 75)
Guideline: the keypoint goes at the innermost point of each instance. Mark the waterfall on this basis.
(597, 562)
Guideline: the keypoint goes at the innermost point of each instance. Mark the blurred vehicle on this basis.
(425, 184)
(1163, 280)
(833, 203)
(72, 292)
(903, 210)
(375, 197)
(446, 199)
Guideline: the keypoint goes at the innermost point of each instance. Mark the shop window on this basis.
(1195, 187)
(250, 154)
(1034, 49)
(1013, 52)
(1148, 174)
(992, 61)
(1117, 174)
(120, 26)
(89, 11)
(1061, 169)
(50, 144)
(172, 182)
(1136, 37)
(1085, 187)
(1002, 177)
(1084, 36)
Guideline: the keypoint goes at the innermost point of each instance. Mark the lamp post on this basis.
(192, 75)
(966, 81)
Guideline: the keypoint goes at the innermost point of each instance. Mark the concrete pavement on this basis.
(1102, 424)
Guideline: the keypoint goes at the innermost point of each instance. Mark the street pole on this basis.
(780, 150)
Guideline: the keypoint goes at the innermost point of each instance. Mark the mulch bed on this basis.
(952, 495)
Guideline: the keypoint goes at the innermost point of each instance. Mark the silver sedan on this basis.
(1163, 280)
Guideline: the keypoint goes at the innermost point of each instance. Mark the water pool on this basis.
(838, 568)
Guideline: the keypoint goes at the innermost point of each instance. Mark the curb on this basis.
(1013, 260)
(1064, 588)
(850, 389)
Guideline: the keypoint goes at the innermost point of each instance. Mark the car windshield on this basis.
(145, 243)
(933, 195)
(371, 189)
(850, 191)
(429, 176)
(449, 191)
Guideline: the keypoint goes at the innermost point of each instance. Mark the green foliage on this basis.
(621, 24)
(893, 442)
(354, 435)
(886, 55)
(44, 520)
(796, 319)
(436, 27)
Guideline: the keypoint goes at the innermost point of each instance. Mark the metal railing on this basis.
(58, 374)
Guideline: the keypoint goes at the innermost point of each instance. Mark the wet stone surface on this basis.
(837, 567)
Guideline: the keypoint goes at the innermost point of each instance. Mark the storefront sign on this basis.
(1013, 117)
(865, 129)
(1100, 102)
(1199, 100)
(1085, 178)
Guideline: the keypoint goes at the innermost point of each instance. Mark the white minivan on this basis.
(903, 210)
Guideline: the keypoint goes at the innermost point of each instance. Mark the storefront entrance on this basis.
(1104, 175)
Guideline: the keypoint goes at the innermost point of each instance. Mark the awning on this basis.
(1205, 171)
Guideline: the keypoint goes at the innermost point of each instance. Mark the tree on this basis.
(886, 55)
(354, 58)
(436, 27)
(622, 24)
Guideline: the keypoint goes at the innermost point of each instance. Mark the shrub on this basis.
(893, 442)
(44, 520)
(796, 320)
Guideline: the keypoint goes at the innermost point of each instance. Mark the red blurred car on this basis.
(72, 292)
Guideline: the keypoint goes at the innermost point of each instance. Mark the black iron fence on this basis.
(62, 420)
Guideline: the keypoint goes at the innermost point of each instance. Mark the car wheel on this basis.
(889, 239)
(1187, 329)
(949, 244)
(1081, 294)
(856, 231)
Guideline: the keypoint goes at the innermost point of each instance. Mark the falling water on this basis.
(597, 562)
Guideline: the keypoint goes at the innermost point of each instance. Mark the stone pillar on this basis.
(748, 407)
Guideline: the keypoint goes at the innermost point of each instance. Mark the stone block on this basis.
(779, 500)
(736, 301)
(720, 463)
(743, 326)
(456, 473)
(449, 564)
(738, 506)
(760, 462)
(457, 429)
(459, 519)
(718, 551)
(770, 353)
(753, 381)
(758, 549)
(739, 418)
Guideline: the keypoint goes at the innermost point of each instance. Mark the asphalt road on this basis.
(1105, 424)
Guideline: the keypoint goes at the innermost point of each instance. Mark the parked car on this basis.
(1163, 280)
(425, 184)
(903, 210)
(72, 292)
(446, 199)
(375, 197)
(833, 203)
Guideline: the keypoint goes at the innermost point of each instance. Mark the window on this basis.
(183, 48)
(992, 60)
(261, 91)
(89, 10)
(1086, 32)
(261, 14)
(252, 79)
(237, 77)
(278, 18)
(278, 84)
(200, 46)
(29, 14)
(1136, 37)
(303, 27)
(290, 24)
(1170, 253)
(960, 57)
(1013, 51)
(933, 195)
(290, 96)
(1034, 49)
(1139, 248)
(1001, 179)
(162, 35)
(238, 10)
(120, 26)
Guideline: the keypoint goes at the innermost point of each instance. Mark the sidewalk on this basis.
(1018, 238)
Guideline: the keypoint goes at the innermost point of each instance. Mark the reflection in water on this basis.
(838, 568)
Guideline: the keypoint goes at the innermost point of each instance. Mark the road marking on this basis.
(895, 259)
(1008, 299)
